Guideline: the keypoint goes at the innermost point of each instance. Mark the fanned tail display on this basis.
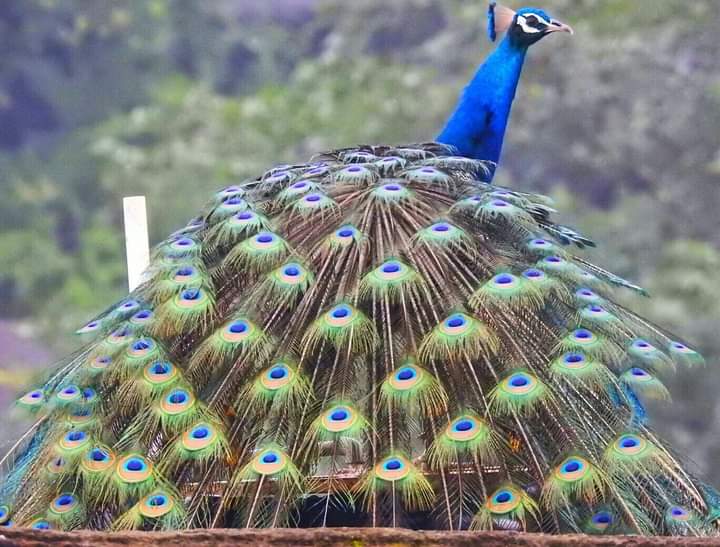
(379, 332)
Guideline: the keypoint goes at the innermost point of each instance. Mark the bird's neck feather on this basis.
(477, 127)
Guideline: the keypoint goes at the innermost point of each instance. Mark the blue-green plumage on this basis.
(477, 127)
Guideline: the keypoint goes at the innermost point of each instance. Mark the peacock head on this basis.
(525, 26)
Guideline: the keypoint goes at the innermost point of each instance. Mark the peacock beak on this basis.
(557, 26)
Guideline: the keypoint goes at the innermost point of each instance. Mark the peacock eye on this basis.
(531, 24)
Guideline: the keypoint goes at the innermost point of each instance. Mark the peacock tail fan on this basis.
(378, 332)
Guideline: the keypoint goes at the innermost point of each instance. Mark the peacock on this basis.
(378, 337)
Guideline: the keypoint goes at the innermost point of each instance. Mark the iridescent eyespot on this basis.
(81, 417)
(587, 296)
(340, 316)
(583, 337)
(356, 174)
(141, 348)
(646, 352)
(279, 175)
(466, 428)
(684, 354)
(56, 466)
(133, 469)
(345, 232)
(504, 500)
(177, 401)
(534, 275)
(642, 345)
(639, 373)
(297, 189)
(517, 391)
(503, 284)
(291, 270)
(69, 394)
(440, 233)
(678, 514)
(631, 445)
(160, 372)
(540, 245)
(233, 190)
(277, 377)
(269, 462)
(74, 440)
(427, 175)
(89, 394)
(390, 275)
(41, 524)
(183, 244)
(141, 317)
(574, 361)
(245, 221)
(572, 469)
(32, 400)
(128, 307)
(98, 459)
(199, 437)
(406, 378)
(92, 326)
(265, 238)
(119, 336)
(63, 504)
(456, 324)
(391, 192)
(597, 314)
(318, 172)
(393, 468)
(339, 419)
(192, 298)
(99, 363)
(239, 331)
(156, 504)
(344, 236)
(291, 276)
(518, 381)
(601, 520)
(557, 264)
(234, 202)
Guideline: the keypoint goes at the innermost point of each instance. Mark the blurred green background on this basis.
(175, 98)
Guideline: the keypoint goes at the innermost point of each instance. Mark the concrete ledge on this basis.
(346, 537)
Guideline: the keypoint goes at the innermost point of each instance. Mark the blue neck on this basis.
(477, 127)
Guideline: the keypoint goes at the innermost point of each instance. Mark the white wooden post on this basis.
(137, 245)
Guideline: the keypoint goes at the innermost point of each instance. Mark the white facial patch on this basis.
(523, 22)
